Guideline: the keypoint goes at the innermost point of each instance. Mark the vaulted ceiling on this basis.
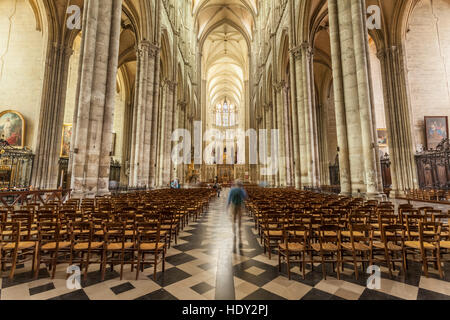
(225, 29)
(208, 14)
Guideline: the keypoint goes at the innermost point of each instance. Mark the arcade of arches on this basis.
(341, 98)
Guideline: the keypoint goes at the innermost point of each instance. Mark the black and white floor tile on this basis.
(210, 263)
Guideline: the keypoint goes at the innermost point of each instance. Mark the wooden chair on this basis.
(83, 245)
(392, 246)
(295, 244)
(11, 247)
(429, 240)
(28, 229)
(329, 247)
(360, 246)
(272, 233)
(115, 244)
(149, 242)
(50, 245)
(169, 225)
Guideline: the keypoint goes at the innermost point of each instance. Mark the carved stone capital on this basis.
(268, 106)
(153, 50)
(296, 53)
(307, 49)
(279, 85)
(182, 105)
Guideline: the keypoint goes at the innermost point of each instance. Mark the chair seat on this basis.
(416, 245)
(297, 233)
(391, 246)
(31, 233)
(325, 246)
(347, 234)
(85, 245)
(161, 232)
(328, 233)
(99, 233)
(358, 246)
(378, 233)
(293, 246)
(118, 246)
(22, 245)
(445, 244)
(130, 232)
(273, 233)
(52, 245)
(151, 246)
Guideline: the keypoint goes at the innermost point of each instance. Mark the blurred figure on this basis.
(218, 189)
(236, 200)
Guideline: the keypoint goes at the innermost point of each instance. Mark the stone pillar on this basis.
(288, 134)
(155, 120)
(139, 115)
(148, 116)
(294, 117)
(161, 129)
(307, 84)
(269, 126)
(48, 149)
(352, 95)
(95, 110)
(297, 53)
(339, 103)
(370, 157)
(398, 119)
(166, 134)
(279, 92)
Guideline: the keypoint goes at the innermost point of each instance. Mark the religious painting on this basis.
(436, 130)
(12, 128)
(65, 142)
(382, 138)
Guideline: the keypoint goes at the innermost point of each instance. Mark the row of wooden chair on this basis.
(334, 221)
(73, 231)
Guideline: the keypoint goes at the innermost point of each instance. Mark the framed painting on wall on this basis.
(12, 128)
(65, 141)
(382, 138)
(436, 130)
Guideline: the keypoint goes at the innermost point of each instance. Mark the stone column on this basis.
(351, 75)
(339, 103)
(155, 119)
(166, 135)
(307, 85)
(294, 119)
(398, 119)
(148, 116)
(95, 110)
(288, 134)
(370, 157)
(297, 53)
(139, 115)
(269, 126)
(48, 149)
(279, 92)
(161, 130)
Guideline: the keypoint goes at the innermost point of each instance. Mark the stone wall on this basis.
(22, 55)
(428, 62)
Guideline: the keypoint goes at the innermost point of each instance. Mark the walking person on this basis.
(218, 188)
(236, 200)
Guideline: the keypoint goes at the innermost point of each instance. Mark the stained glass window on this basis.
(225, 115)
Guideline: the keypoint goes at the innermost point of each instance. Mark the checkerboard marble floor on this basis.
(210, 263)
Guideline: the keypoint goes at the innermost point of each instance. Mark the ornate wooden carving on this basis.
(433, 167)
